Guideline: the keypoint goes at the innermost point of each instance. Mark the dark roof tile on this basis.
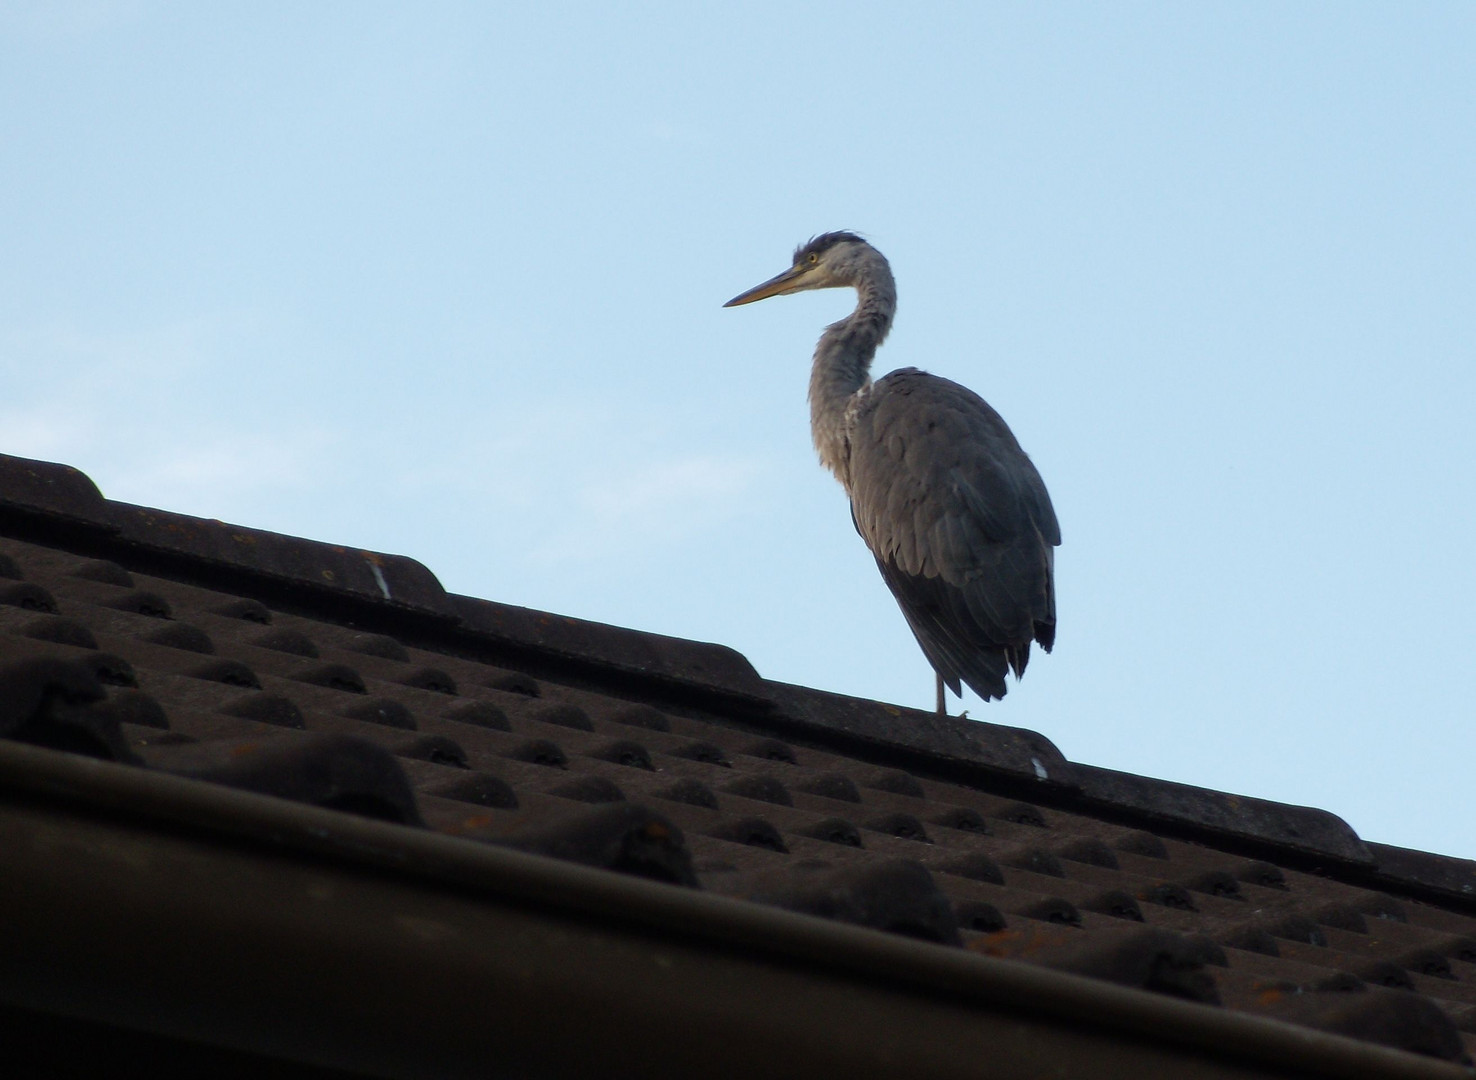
(902, 826)
(178, 635)
(333, 676)
(978, 916)
(624, 752)
(1142, 843)
(244, 608)
(110, 573)
(505, 726)
(28, 597)
(831, 785)
(110, 669)
(1117, 904)
(1146, 958)
(898, 896)
(437, 749)
(974, 866)
(135, 707)
(54, 628)
(622, 836)
(1219, 883)
(1403, 1021)
(514, 682)
(483, 714)
(1294, 828)
(589, 789)
(643, 716)
(691, 792)
(1034, 859)
(834, 831)
(143, 602)
(380, 710)
(1442, 874)
(284, 639)
(699, 750)
(380, 645)
(54, 703)
(770, 750)
(896, 782)
(961, 818)
(761, 788)
(1022, 814)
(542, 752)
(480, 788)
(431, 679)
(750, 832)
(1049, 909)
(1089, 850)
(334, 771)
(229, 672)
(560, 714)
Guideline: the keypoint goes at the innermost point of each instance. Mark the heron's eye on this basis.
(813, 259)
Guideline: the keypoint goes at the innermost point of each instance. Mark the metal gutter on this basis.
(205, 913)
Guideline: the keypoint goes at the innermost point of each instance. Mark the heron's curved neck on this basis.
(842, 365)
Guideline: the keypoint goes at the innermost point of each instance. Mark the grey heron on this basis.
(953, 510)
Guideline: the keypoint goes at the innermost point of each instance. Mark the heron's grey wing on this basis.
(960, 524)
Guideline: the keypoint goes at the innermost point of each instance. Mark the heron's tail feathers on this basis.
(1045, 633)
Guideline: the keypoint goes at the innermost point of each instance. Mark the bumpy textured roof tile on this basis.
(351, 681)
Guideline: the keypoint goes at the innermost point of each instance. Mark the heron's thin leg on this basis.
(942, 705)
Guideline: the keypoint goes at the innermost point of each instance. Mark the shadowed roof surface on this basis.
(194, 651)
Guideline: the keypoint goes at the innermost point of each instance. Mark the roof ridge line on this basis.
(1034, 769)
(69, 502)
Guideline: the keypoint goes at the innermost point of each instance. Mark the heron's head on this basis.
(829, 261)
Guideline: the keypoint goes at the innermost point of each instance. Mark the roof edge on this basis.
(1031, 767)
(50, 488)
(206, 549)
(367, 575)
(1301, 829)
(948, 741)
(714, 670)
(1444, 876)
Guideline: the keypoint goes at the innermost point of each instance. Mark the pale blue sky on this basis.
(445, 280)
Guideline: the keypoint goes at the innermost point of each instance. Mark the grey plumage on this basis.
(953, 510)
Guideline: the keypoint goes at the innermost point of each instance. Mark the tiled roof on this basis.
(350, 681)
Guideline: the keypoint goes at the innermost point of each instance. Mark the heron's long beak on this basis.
(779, 283)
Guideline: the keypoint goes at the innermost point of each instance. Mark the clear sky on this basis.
(445, 280)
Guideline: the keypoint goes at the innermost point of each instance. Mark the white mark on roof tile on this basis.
(379, 580)
(1040, 770)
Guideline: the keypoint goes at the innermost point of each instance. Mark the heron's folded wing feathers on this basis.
(959, 521)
